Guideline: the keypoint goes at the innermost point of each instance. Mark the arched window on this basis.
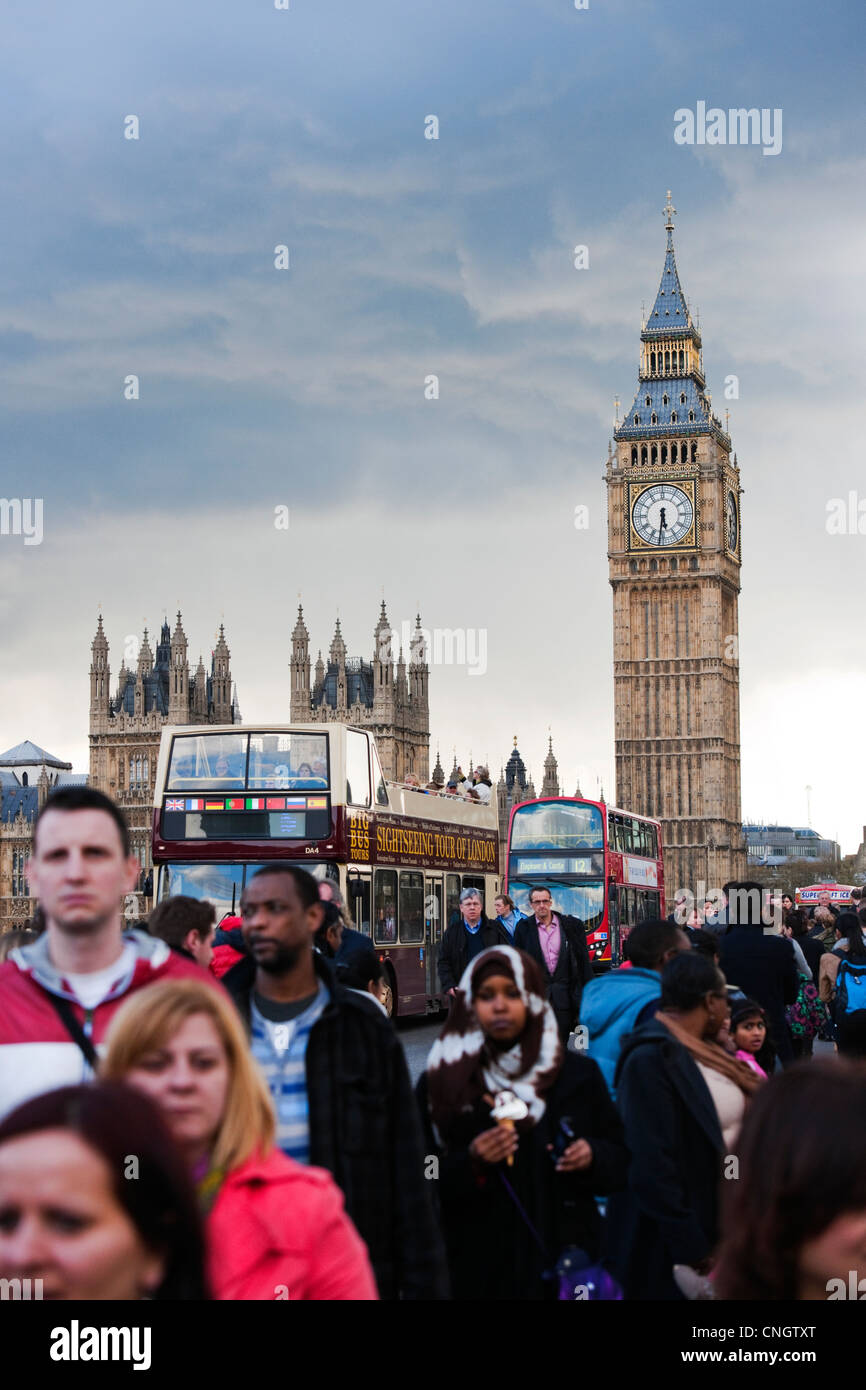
(655, 454)
(673, 565)
(654, 564)
(682, 360)
(634, 455)
(682, 398)
(665, 398)
(637, 419)
(673, 453)
(684, 452)
(643, 455)
(632, 564)
(25, 782)
(667, 361)
(653, 419)
(673, 417)
(694, 452)
(664, 454)
(691, 415)
(652, 361)
(648, 401)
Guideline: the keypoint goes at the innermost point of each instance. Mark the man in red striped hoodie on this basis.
(58, 995)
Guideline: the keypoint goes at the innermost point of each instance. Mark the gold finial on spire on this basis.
(727, 421)
(669, 212)
(515, 740)
(616, 410)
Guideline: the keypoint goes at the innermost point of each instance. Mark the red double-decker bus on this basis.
(601, 865)
(228, 801)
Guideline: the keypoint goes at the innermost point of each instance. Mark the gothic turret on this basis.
(100, 674)
(178, 681)
(300, 670)
(199, 694)
(550, 784)
(222, 681)
(382, 668)
(418, 668)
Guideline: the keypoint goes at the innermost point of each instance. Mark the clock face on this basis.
(733, 523)
(663, 515)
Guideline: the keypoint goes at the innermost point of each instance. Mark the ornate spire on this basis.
(550, 784)
(671, 399)
(337, 653)
(145, 655)
(299, 632)
(438, 774)
(669, 213)
(417, 653)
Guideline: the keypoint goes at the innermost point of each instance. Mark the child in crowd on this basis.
(750, 1036)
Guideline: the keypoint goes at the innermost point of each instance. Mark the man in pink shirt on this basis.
(558, 944)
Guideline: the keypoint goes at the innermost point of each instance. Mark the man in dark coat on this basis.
(462, 941)
(669, 1214)
(760, 963)
(337, 1072)
(557, 943)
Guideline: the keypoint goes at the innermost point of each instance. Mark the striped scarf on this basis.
(463, 1065)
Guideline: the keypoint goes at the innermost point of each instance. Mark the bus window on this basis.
(385, 907)
(288, 761)
(557, 825)
(216, 761)
(473, 881)
(648, 905)
(359, 902)
(357, 769)
(411, 908)
(452, 898)
(220, 884)
(378, 779)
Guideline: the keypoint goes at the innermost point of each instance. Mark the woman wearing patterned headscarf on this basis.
(515, 1193)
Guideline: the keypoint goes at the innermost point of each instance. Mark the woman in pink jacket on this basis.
(275, 1229)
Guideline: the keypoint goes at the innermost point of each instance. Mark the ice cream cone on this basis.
(507, 1110)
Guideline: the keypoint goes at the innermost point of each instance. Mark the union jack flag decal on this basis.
(174, 804)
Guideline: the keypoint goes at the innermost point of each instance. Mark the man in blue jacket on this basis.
(614, 1004)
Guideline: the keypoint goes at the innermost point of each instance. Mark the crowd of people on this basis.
(190, 1111)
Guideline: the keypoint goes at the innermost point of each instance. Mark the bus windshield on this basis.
(557, 825)
(585, 901)
(221, 884)
(258, 762)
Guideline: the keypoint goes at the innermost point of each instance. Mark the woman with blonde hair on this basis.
(275, 1228)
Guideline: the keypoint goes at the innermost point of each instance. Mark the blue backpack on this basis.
(850, 987)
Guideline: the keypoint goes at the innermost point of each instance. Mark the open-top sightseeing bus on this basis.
(602, 866)
(229, 800)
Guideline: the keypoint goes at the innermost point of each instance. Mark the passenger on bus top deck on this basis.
(229, 765)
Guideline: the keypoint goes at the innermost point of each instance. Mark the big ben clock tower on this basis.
(674, 553)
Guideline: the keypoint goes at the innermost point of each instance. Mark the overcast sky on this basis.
(305, 388)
